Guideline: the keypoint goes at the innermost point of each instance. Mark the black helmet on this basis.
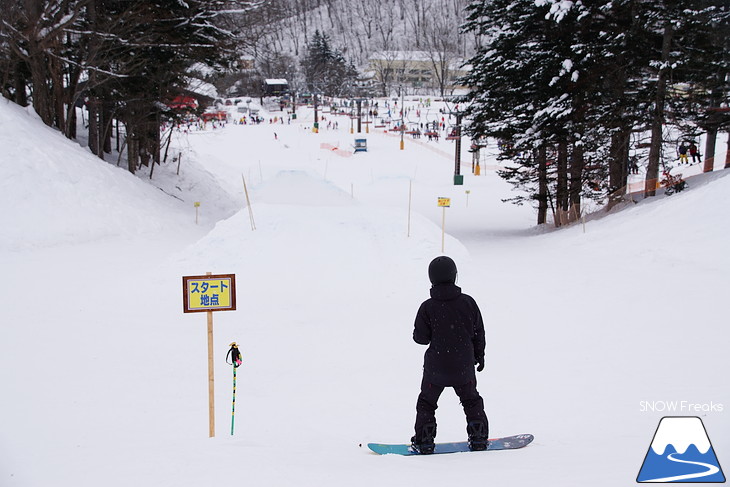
(442, 270)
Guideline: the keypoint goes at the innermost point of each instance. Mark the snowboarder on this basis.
(450, 323)
(634, 165)
(682, 154)
(694, 152)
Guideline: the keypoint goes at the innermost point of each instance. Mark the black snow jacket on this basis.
(451, 324)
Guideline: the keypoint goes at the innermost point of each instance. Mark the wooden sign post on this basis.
(443, 203)
(209, 293)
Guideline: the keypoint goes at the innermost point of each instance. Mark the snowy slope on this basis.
(55, 193)
(104, 377)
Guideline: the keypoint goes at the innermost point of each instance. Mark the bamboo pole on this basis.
(410, 191)
(443, 228)
(248, 204)
(211, 376)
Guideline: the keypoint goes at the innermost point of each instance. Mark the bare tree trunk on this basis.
(652, 170)
(21, 97)
(132, 150)
(618, 174)
(712, 126)
(41, 95)
(577, 164)
(100, 128)
(71, 121)
(106, 127)
(71, 98)
(710, 143)
(542, 196)
(58, 95)
(561, 192)
(93, 107)
(167, 144)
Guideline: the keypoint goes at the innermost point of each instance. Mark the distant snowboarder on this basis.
(450, 323)
(682, 154)
(694, 153)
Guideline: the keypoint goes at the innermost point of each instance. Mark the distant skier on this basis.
(451, 324)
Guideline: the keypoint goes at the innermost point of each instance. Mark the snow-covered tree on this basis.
(701, 72)
(34, 42)
(526, 91)
(130, 54)
(564, 84)
(325, 69)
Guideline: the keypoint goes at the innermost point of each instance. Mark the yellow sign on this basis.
(445, 202)
(209, 293)
(196, 204)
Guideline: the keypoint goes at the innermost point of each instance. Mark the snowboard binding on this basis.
(425, 444)
(478, 435)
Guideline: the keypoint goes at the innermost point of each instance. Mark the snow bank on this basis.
(54, 192)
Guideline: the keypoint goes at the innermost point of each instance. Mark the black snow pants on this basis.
(427, 403)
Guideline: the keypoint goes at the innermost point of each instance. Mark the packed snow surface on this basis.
(591, 330)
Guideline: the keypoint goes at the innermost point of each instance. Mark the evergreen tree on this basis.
(702, 82)
(133, 54)
(528, 89)
(564, 85)
(164, 42)
(325, 69)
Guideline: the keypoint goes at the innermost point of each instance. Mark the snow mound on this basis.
(301, 188)
(54, 192)
(322, 247)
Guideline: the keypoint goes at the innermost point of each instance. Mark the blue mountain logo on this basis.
(681, 452)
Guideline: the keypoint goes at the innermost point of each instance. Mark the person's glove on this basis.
(480, 364)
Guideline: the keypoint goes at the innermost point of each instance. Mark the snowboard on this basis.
(506, 443)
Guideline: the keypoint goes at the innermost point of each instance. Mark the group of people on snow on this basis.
(683, 150)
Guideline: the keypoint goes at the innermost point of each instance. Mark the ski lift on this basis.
(382, 123)
(454, 133)
(478, 144)
(431, 134)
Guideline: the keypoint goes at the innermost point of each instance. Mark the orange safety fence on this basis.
(336, 150)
